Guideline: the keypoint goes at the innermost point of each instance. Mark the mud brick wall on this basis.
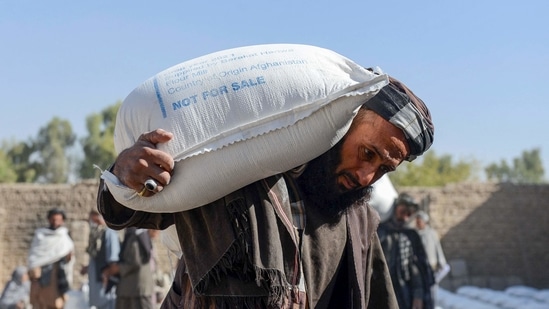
(23, 208)
(495, 235)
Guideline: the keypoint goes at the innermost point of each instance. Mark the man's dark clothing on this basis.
(136, 286)
(243, 250)
(410, 271)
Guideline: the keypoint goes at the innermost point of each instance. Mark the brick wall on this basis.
(496, 234)
(23, 208)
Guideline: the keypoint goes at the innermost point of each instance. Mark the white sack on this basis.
(383, 197)
(240, 115)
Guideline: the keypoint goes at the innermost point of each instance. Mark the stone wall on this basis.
(495, 235)
(23, 208)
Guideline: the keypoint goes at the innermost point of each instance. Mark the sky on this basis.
(482, 67)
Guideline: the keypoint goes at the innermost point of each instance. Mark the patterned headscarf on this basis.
(401, 107)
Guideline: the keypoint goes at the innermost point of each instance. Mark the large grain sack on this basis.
(240, 115)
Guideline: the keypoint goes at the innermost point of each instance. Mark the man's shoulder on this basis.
(274, 182)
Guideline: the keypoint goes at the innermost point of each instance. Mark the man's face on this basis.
(343, 175)
(402, 213)
(56, 221)
(420, 224)
(96, 220)
(370, 149)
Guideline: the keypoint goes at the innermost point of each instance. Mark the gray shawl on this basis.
(244, 248)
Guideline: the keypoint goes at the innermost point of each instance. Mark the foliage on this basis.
(43, 159)
(98, 146)
(7, 171)
(19, 156)
(51, 145)
(432, 170)
(47, 158)
(528, 168)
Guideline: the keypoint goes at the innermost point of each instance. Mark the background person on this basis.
(433, 249)
(104, 250)
(16, 291)
(159, 278)
(136, 283)
(50, 263)
(410, 271)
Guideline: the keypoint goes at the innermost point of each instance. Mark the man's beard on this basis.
(319, 185)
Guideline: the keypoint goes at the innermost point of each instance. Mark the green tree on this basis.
(98, 146)
(528, 168)
(19, 154)
(51, 146)
(432, 170)
(7, 171)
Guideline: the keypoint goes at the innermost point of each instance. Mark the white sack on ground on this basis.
(240, 115)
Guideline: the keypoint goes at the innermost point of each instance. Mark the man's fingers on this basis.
(161, 177)
(143, 161)
(150, 177)
(162, 160)
(155, 137)
(152, 154)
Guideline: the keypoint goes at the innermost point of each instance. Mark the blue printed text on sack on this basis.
(221, 90)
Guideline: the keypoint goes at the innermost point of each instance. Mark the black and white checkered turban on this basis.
(401, 107)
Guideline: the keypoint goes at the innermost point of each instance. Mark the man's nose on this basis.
(366, 175)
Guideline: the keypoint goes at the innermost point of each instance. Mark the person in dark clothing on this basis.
(305, 238)
(136, 285)
(410, 271)
(103, 249)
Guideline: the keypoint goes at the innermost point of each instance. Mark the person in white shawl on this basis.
(50, 263)
(433, 249)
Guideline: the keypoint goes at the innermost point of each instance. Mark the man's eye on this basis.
(367, 154)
